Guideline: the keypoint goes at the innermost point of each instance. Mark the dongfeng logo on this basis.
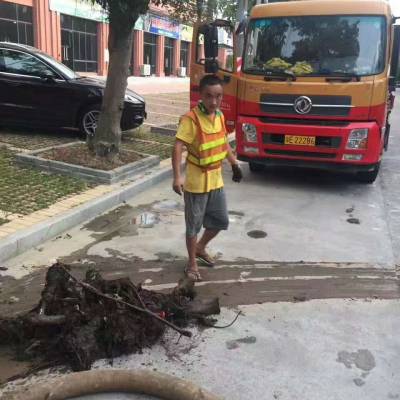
(302, 105)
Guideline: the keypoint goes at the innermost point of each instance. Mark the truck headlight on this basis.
(131, 99)
(250, 132)
(358, 139)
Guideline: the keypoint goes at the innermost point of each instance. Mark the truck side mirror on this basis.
(211, 66)
(394, 66)
(210, 32)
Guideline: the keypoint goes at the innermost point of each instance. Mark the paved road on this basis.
(342, 343)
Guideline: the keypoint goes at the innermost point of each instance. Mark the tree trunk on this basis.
(107, 139)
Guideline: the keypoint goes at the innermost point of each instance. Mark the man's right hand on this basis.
(177, 186)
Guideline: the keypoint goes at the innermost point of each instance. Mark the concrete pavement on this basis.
(331, 350)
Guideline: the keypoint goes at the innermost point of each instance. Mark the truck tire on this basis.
(256, 167)
(368, 176)
(387, 134)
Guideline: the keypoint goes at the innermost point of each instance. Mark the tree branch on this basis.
(92, 289)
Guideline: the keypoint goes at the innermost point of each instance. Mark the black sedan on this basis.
(37, 90)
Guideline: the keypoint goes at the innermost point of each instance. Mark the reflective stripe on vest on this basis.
(202, 162)
(212, 146)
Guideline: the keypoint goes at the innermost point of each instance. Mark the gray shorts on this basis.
(205, 209)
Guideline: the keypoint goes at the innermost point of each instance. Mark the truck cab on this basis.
(314, 85)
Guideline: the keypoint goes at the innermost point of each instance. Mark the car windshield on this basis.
(316, 45)
(60, 67)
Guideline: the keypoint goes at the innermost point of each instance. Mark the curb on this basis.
(128, 171)
(23, 240)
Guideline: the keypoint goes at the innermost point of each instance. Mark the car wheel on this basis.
(89, 119)
(256, 167)
(368, 176)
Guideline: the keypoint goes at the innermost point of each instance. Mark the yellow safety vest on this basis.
(213, 147)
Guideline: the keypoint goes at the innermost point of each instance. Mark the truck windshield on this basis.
(316, 45)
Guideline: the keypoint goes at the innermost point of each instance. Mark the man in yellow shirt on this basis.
(202, 131)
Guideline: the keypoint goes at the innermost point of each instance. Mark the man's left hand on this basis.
(237, 173)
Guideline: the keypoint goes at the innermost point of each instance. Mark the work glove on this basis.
(237, 173)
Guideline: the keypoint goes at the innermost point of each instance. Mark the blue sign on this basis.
(161, 26)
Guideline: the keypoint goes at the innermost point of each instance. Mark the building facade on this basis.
(76, 33)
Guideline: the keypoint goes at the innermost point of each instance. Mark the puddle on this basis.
(236, 213)
(362, 359)
(248, 340)
(110, 221)
(167, 205)
(146, 220)
(165, 256)
(355, 221)
(257, 234)
(235, 344)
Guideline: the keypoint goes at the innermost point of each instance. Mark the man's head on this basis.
(211, 92)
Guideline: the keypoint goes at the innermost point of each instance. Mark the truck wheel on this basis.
(387, 134)
(368, 176)
(256, 167)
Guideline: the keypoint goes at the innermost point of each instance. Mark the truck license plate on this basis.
(300, 140)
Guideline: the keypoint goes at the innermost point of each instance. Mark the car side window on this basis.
(17, 62)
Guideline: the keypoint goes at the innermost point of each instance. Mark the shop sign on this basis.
(186, 32)
(161, 26)
(79, 8)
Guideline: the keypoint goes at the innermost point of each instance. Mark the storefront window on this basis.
(79, 43)
(16, 24)
(184, 54)
(168, 56)
(150, 51)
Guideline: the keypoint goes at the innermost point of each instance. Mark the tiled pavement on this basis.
(18, 222)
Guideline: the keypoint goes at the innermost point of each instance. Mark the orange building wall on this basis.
(47, 28)
(22, 2)
(102, 40)
(47, 37)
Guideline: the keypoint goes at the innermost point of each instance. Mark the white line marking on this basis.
(264, 279)
(296, 265)
(150, 270)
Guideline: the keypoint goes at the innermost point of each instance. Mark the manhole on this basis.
(257, 234)
(353, 221)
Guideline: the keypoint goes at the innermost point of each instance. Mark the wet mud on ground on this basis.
(241, 282)
(234, 283)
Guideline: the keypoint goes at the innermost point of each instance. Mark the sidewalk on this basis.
(154, 84)
(35, 206)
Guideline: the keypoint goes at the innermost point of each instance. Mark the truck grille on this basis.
(329, 106)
